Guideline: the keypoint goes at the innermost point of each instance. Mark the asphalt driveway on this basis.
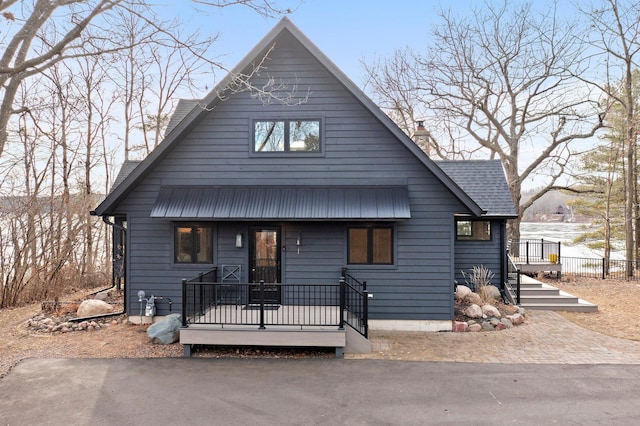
(314, 391)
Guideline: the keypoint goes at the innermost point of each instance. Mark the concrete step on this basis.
(539, 291)
(537, 295)
(584, 306)
(549, 300)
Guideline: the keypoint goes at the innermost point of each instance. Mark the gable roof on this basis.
(199, 110)
(485, 182)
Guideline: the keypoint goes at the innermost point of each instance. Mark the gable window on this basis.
(371, 245)
(193, 244)
(286, 136)
(473, 230)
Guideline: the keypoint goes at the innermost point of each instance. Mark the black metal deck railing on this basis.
(513, 282)
(357, 303)
(534, 251)
(255, 304)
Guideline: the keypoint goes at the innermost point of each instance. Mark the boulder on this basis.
(462, 291)
(92, 307)
(167, 330)
(490, 292)
(486, 326)
(473, 311)
(103, 295)
(460, 326)
(491, 311)
(516, 319)
(473, 298)
(506, 322)
(475, 327)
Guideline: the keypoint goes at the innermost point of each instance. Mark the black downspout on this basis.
(113, 284)
(504, 274)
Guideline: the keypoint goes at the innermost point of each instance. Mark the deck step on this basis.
(549, 300)
(541, 296)
(539, 291)
(571, 307)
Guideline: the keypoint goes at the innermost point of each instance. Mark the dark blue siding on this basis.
(358, 150)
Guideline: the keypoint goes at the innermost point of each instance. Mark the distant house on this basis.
(302, 194)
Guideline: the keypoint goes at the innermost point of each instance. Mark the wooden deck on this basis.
(539, 266)
(284, 325)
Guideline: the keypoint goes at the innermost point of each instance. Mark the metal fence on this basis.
(613, 269)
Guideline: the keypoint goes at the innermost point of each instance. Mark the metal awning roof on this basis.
(282, 203)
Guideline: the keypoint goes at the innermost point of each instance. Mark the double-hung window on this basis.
(290, 136)
(370, 245)
(193, 243)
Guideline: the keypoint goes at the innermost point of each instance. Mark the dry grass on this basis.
(618, 305)
(618, 316)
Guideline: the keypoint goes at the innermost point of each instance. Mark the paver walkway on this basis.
(545, 338)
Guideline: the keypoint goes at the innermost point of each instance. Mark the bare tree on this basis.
(19, 61)
(56, 122)
(615, 39)
(499, 79)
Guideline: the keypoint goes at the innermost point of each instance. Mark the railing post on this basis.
(184, 302)
(343, 294)
(517, 286)
(365, 313)
(526, 244)
(542, 249)
(262, 305)
(559, 259)
(603, 267)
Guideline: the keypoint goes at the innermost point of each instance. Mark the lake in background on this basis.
(565, 233)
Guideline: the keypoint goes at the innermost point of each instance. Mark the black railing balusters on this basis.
(262, 304)
(184, 302)
(343, 304)
(303, 305)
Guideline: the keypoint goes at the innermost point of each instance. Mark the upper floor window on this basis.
(193, 244)
(478, 230)
(286, 136)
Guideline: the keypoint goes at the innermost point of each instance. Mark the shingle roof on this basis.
(485, 182)
(182, 109)
(125, 170)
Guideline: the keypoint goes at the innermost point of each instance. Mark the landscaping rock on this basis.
(461, 292)
(460, 326)
(506, 322)
(475, 327)
(103, 295)
(516, 319)
(167, 330)
(490, 292)
(473, 298)
(473, 311)
(486, 326)
(92, 307)
(491, 311)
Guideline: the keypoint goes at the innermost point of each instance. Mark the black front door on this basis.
(264, 263)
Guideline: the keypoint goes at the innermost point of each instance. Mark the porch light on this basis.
(239, 240)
